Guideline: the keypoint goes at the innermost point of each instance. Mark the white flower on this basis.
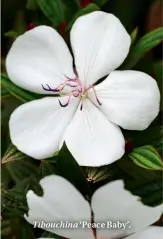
(87, 118)
(62, 202)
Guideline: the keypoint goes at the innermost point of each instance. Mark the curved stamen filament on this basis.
(50, 89)
(64, 105)
(77, 90)
(96, 95)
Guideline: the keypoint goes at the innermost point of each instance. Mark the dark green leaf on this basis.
(4, 92)
(68, 168)
(12, 34)
(88, 9)
(53, 10)
(19, 93)
(134, 35)
(12, 154)
(97, 174)
(150, 136)
(5, 227)
(147, 184)
(14, 200)
(147, 157)
(46, 169)
(18, 165)
(20, 169)
(71, 6)
(100, 3)
(145, 44)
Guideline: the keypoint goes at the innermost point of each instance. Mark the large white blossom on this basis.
(62, 202)
(86, 115)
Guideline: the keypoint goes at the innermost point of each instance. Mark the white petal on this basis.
(39, 56)
(37, 127)
(129, 99)
(149, 233)
(60, 203)
(92, 139)
(113, 203)
(100, 44)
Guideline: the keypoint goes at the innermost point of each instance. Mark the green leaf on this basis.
(134, 35)
(153, 135)
(145, 44)
(147, 184)
(151, 193)
(5, 227)
(88, 9)
(68, 168)
(147, 157)
(100, 3)
(20, 169)
(12, 34)
(71, 6)
(53, 10)
(12, 154)
(97, 174)
(4, 92)
(18, 164)
(46, 169)
(16, 91)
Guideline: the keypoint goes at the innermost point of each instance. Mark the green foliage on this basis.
(5, 227)
(68, 168)
(12, 34)
(98, 174)
(12, 154)
(147, 184)
(19, 93)
(152, 135)
(83, 11)
(100, 3)
(46, 169)
(4, 92)
(134, 35)
(147, 157)
(53, 10)
(18, 165)
(145, 44)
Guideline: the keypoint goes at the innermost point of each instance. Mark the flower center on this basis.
(77, 89)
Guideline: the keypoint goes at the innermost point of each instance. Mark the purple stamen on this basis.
(98, 100)
(96, 95)
(50, 89)
(64, 105)
(70, 79)
(81, 107)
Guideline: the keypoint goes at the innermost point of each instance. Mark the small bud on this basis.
(62, 27)
(97, 174)
(30, 26)
(128, 146)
